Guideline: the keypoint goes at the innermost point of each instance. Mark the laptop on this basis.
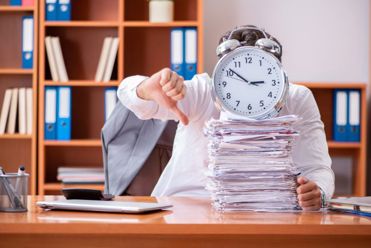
(103, 206)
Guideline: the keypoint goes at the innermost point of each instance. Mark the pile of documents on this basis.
(81, 175)
(250, 164)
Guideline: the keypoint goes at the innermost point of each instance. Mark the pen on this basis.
(21, 172)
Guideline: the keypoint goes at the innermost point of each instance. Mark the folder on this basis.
(51, 10)
(22, 111)
(103, 59)
(111, 59)
(27, 2)
(64, 113)
(5, 110)
(50, 128)
(13, 112)
(190, 50)
(15, 2)
(27, 42)
(340, 115)
(354, 102)
(61, 67)
(29, 110)
(51, 58)
(110, 99)
(64, 10)
(176, 52)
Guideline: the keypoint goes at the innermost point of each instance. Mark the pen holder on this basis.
(13, 192)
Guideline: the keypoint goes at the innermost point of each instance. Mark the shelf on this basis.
(332, 85)
(59, 186)
(15, 136)
(16, 8)
(343, 145)
(160, 24)
(81, 24)
(16, 71)
(86, 143)
(83, 83)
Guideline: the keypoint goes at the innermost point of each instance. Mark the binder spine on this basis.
(340, 115)
(50, 113)
(27, 42)
(51, 10)
(190, 65)
(64, 113)
(64, 10)
(354, 111)
(177, 51)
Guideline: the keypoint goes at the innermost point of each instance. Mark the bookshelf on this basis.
(81, 41)
(18, 149)
(323, 93)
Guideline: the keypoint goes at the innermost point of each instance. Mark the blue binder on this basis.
(51, 10)
(64, 113)
(64, 10)
(50, 118)
(340, 115)
(110, 99)
(15, 2)
(27, 42)
(190, 53)
(177, 50)
(354, 113)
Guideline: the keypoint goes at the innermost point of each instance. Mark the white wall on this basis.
(323, 40)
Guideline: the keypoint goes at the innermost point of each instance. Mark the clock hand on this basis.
(257, 82)
(238, 75)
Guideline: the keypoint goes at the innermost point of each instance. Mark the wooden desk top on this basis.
(188, 216)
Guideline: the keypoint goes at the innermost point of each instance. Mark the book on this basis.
(50, 52)
(61, 67)
(111, 60)
(29, 111)
(13, 112)
(5, 110)
(103, 59)
(81, 175)
(352, 204)
(22, 110)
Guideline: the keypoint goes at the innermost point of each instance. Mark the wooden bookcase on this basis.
(323, 93)
(144, 48)
(17, 149)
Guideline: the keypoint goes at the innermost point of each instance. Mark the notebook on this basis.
(103, 206)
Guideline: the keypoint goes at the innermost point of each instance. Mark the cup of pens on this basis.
(13, 191)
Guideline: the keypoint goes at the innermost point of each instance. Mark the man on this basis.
(165, 95)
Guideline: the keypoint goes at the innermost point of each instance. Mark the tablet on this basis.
(103, 206)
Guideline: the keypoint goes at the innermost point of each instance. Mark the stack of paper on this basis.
(250, 164)
(81, 175)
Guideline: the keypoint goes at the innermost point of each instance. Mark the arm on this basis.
(310, 154)
(157, 96)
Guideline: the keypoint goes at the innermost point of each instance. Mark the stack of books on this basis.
(17, 105)
(81, 175)
(250, 164)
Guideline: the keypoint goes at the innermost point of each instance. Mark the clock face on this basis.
(249, 82)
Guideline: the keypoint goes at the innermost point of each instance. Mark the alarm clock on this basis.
(249, 81)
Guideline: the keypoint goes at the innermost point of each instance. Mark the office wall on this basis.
(323, 40)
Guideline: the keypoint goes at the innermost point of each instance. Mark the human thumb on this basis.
(181, 116)
(302, 180)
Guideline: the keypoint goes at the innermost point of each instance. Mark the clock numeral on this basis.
(229, 96)
(261, 103)
(237, 103)
(270, 94)
(248, 60)
(260, 62)
(249, 107)
(224, 83)
(274, 82)
(237, 64)
(269, 70)
(229, 73)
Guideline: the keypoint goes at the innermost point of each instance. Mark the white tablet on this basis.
(103, 206)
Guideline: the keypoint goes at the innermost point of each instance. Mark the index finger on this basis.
(306, 187)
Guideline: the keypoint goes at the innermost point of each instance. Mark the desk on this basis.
(190, 223)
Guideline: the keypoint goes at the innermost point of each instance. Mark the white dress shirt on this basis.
(185, 173)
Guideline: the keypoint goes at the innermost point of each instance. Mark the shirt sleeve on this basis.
(190, 105)
(310, 151)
